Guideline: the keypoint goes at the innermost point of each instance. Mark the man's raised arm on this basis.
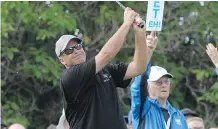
(114, 44)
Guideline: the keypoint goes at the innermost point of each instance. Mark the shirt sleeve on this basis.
(78, 78)
(136, 98)
(216, 71)
(118, 72)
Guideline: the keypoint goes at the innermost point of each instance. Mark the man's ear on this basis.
(62, 61)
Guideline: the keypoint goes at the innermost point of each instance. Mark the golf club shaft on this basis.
(141, 25)
(121, 5)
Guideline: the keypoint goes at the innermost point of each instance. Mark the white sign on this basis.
(154, 15)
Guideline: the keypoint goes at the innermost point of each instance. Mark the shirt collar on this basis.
(168, 105)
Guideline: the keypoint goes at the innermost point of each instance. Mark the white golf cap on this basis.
(62, 42)
(61, 121)
(157, 72)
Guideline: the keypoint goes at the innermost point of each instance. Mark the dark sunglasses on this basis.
(70, 50)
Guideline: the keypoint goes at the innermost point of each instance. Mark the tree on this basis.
(31, 71)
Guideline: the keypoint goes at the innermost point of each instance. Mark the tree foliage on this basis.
(31, 71)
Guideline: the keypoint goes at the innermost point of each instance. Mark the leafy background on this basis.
(30, 69)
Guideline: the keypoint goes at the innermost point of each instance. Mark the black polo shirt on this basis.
(91, 100)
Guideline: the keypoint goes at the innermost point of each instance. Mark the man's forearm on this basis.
(141, 50)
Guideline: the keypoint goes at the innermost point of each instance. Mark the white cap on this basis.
(61, 121)
(158, 72)
(62, 42)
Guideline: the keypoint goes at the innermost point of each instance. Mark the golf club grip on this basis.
(141, 25)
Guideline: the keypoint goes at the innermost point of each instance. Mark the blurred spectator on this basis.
(129, 124)
(63, 123)
(130, 118)
(213, 54)
(3, 126)
(51, 126)
(155, 112)
(195, 123)
(126, 119)
(16, 126)
(188, 113)
(214, 128)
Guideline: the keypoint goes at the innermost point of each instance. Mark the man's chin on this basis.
(82, 60)
(163, 96)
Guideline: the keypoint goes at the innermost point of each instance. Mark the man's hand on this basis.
(136, 24)
(129, 16)
(151, 41)
(212, 53)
